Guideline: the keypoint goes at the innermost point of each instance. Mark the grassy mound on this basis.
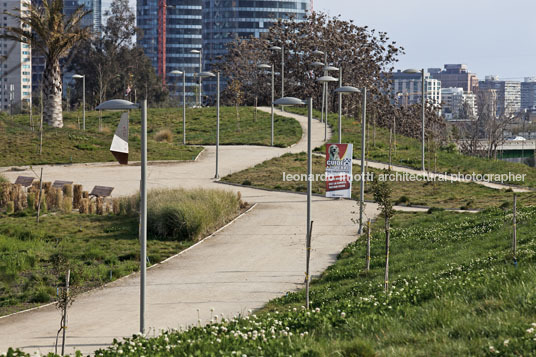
(408, 152)
(452, 195)
(454, 292)
(19, 144)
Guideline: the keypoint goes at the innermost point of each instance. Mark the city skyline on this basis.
(488, 36)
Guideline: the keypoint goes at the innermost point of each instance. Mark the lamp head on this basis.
(347, 90)
(326, 79)
(289, 101)
(117, 104)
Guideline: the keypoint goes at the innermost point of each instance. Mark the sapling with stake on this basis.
(368, 246)
(382, 196)
(514, 243)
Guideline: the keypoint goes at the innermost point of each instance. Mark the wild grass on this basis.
(99, 249)
(408, 152)
(19, 145)
(452, 195)
(454, 292)
(164, 135)
(181, 214)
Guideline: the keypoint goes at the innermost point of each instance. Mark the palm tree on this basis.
(49, 31)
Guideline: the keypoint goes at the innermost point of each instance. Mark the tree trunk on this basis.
(386, 254)
(52, 87)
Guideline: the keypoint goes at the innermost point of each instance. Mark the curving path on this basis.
(259, 257)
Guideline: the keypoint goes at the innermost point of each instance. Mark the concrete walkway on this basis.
(259, 257)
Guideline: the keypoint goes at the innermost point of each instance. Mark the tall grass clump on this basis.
(164, 135)
(178, 214)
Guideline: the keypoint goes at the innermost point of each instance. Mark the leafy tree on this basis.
(365, 56)
(49, 31)
(382, 196)
(235, 92)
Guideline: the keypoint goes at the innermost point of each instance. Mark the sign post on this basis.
(339, 170)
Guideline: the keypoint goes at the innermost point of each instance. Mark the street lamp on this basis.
(349, 90)
(267, 66)
(325, 81)
(200, 53)
(414, 71)
(321, 64)
(282, 49)
(120, 104)
(83, 77)
(176, 72)
(295, 101)
(217, 75)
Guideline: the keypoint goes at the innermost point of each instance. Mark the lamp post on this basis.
(83, 77)
(325, 81)
(120, 104)
(295, 101)
(200, 53)
(282, 49)
(176, 72)
(267, 66)
(423, 103)
(217, 75)
(321, 64)
(349, 90)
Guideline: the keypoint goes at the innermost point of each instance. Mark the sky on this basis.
(490, 36)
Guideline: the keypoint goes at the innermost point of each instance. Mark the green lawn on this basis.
(454, 292)
(408, 152)
(20, 145)
(452, 195)
(99, 249)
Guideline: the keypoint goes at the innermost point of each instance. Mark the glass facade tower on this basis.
(183, 34)
(207, 25)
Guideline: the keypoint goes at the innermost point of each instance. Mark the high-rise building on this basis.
(508, 94)
(15, 62)
(407, 87)
(225, 20)
(184, 32)
(456, 76)
(206, 26)
(457, 104)
(528, 93)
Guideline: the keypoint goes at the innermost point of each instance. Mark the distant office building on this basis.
(184, 33)
(455, 76)
(508, 94)
(16, 63)
(225, 20)
(457, 104)
(407, 87)
(528, 93)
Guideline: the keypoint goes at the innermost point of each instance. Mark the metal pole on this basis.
(340, 106)
(423, 118)
(217, 125)
(273, 98)
(65, 302)
(514, 244)
(84, 102)
(282, 75)
(326, 116)
(362, 183)
(184, 107)
(368, 246)
(309, 189)
(143, 213)
(200, 78)
(323, 101)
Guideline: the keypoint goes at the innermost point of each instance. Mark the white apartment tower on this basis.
(15, 62)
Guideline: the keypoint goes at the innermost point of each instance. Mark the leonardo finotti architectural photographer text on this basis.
(410, 177)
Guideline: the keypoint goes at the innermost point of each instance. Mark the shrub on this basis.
(84, 206)
(164, 135)
(31, 198)
(10, 207)
(77, 196)
(188, 214)
(67, 205)
(68, 190)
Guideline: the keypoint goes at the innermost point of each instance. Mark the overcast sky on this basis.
(490, 36)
